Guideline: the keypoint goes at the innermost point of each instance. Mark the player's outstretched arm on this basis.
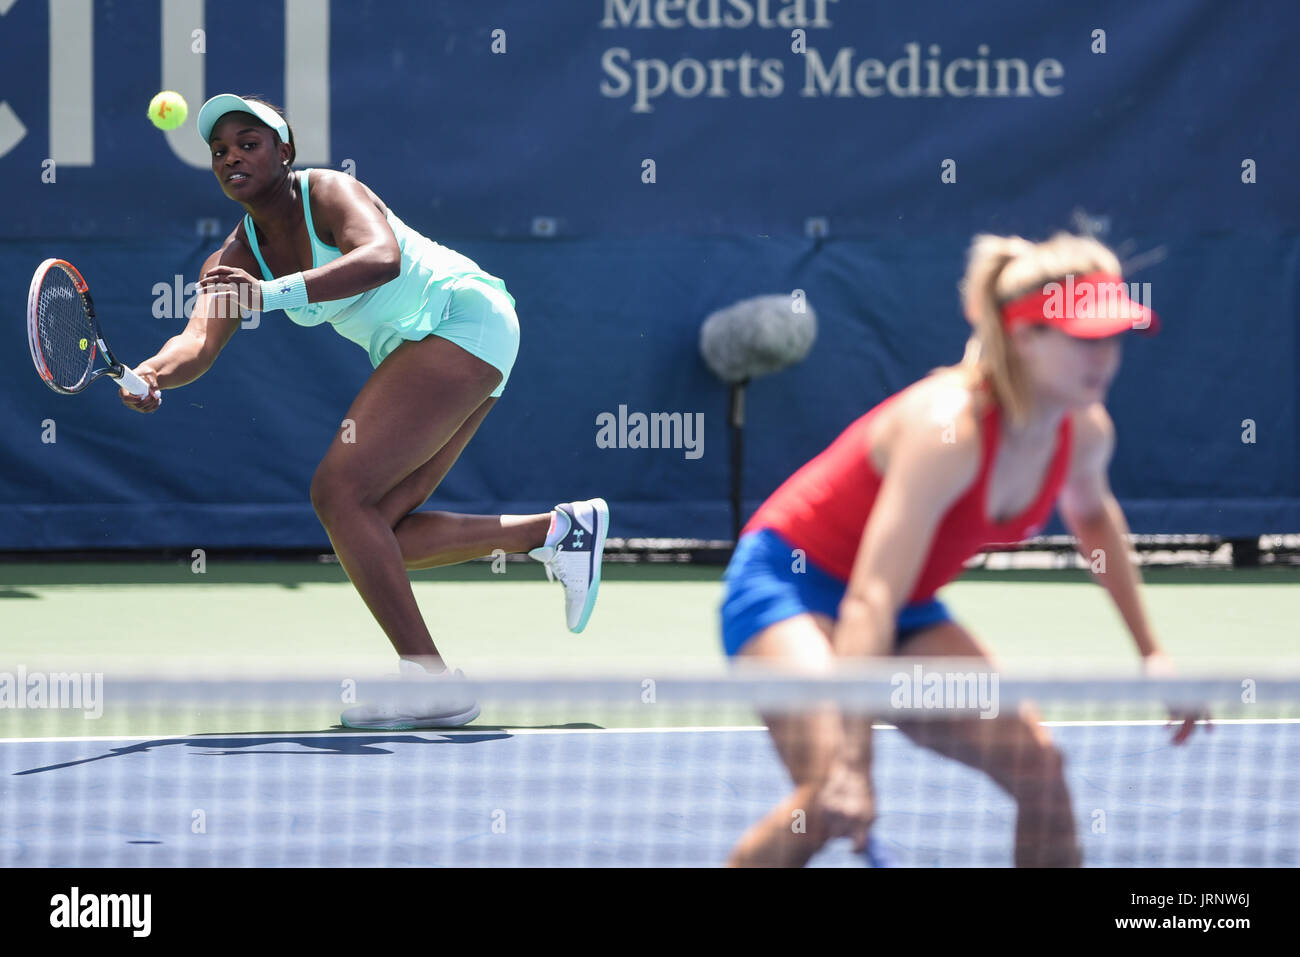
(1093, 516)
(185, 357)
(934, 458)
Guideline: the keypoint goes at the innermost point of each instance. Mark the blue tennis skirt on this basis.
(764, 587)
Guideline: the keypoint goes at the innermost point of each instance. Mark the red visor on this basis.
(1088, 307)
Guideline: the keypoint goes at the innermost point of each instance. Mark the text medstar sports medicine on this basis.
(715, 14)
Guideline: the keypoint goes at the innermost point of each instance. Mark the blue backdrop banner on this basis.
(628, 167)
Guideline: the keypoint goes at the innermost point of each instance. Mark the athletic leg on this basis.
(1015, 750)
(416, 402)
(430, 539)
(792, 832)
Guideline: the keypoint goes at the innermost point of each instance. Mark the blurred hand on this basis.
(845, 803)
(1158, 665)
(235, 283)
(144, 403)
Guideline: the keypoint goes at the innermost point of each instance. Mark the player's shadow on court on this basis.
(507, 728)
(303, 744)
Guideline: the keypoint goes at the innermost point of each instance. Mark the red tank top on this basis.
(823, 508)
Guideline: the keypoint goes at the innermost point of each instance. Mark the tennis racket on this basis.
(64, 334)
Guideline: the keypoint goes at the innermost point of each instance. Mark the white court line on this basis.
(514, 732)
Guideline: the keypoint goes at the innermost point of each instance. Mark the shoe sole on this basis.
(412, 724)
(597, 557)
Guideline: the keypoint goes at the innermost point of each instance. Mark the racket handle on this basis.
(132, 383)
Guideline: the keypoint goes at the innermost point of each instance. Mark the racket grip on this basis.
(132, 383)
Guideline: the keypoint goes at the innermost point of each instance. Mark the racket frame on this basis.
(115, 369)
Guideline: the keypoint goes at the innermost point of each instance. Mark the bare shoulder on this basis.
(346, 212)
(942, 404)
(332, 188)
(934, 427)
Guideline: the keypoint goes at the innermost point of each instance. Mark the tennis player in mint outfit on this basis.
(442, 337)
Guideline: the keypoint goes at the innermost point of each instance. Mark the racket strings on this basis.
(67, 338)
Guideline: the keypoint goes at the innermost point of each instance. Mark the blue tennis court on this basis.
(593, 797)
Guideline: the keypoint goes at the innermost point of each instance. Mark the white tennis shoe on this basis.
(422, 701)
(573, 552)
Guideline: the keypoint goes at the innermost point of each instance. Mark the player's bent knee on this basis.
(330, 497)
(1022, 756)
(395, 515)
(321, 494)
(1033, 769)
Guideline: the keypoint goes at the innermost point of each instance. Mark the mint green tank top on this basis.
(429, 274)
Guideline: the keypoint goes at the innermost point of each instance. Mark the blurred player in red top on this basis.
(843, 560)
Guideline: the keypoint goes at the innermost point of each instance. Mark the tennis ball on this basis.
(83, 344)
(168, 110)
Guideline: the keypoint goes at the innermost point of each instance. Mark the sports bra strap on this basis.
(251, 232)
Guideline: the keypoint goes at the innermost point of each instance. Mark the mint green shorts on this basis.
(479, 316)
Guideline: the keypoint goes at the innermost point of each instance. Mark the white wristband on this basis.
(286, 292)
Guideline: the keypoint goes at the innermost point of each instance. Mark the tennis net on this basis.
(100, 769)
